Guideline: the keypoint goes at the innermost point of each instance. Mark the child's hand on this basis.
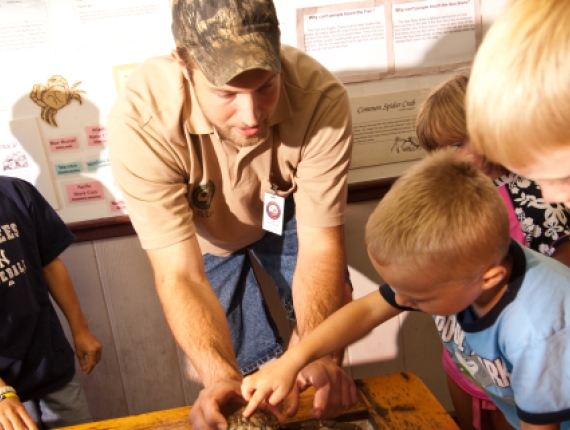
(13, 415)
(87, 349)
(272, 383)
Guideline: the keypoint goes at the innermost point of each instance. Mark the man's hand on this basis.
(206, 412)
(335, 391)
(14, 416)
(87, 349)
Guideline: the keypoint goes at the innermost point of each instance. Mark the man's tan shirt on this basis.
(179, 179)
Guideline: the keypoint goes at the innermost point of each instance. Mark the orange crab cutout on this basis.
(53, 96)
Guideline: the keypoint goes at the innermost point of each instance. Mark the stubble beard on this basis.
(228, 134)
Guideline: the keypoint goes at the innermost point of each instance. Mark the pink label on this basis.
(96, 135)
(82, 192)
(63, 143)
(117, 205)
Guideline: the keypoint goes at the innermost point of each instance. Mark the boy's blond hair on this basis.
(442, 213)
(518, 101)
(441, 117)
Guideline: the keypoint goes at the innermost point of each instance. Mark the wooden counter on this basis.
(395, 401)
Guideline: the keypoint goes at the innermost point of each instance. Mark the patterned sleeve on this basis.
(545, 225)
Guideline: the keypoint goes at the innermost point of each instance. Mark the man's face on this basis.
(552, 172)
(239, 110)
(422, 290)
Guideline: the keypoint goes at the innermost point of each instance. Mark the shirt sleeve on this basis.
(321, 175)
(546, 225)
(52, 235)
(388, 293)
(540, 379)
(559, 219)
(148, 171)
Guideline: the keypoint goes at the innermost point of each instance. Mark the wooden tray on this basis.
(394, 401)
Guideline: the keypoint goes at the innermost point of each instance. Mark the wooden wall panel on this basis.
(104, 387)
(146, 349)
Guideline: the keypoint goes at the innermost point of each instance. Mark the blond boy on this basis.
(440, 239)
(518, 102)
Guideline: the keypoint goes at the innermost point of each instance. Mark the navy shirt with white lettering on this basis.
(35, 356)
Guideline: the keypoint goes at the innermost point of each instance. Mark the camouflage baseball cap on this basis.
(228, 37)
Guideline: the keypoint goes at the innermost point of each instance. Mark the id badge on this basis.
(273, 210)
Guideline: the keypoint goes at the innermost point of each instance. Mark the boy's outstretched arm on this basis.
(275, 380)
(13, 414)
(87, 347)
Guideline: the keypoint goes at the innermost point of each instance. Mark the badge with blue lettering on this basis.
(273, 208)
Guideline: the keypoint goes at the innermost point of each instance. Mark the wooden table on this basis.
(395, 401)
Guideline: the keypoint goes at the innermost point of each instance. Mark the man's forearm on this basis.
(193, 311)
(319, 281)
(199, 325)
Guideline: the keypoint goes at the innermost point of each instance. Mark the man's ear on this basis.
(493, 276)
(174, 55)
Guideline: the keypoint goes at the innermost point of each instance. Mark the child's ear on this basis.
(493, 276)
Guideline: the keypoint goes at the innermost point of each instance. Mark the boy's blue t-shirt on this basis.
(35, 356)
(519, 352)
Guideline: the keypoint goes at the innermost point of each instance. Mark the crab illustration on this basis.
(53, 96)
(407, 144)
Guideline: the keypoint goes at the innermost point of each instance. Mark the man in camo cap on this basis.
(232, 150)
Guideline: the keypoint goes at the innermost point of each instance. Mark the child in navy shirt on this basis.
(37, 366)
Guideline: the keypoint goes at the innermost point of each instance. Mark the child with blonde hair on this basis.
(440, 239)
(441, 122)
(518, 102)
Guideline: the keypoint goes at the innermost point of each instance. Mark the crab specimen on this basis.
(53, 96)
(261, 420)
(321, 425)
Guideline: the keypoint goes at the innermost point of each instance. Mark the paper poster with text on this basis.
(434, 33)
(384, 128)
(376, 39)
(349, 41)
(103, 22)
(24, 27)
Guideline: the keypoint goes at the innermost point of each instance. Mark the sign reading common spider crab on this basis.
(53, 96)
